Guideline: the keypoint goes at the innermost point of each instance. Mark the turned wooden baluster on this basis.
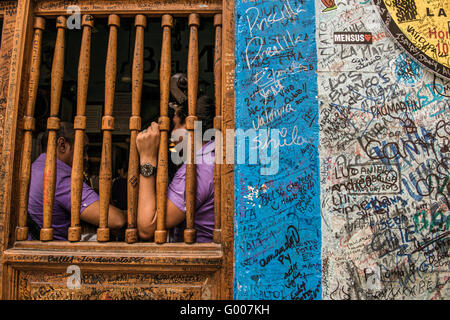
(105, 176)
(28, 127)
(53, 126)
(135, 126)
(191, 178)
(80, 125)
(164, 126)
(217, 233)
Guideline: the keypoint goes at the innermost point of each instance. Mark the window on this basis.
(133, 91)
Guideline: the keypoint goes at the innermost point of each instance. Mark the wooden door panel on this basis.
(151, 272)
(116, 285)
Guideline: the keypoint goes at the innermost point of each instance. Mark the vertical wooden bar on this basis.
(28, 127)
(105, 176)
(217, 233)
(135, 125)
(191, 178)
(227, 178)
(53, 126)
(162, 178)
(87, 22)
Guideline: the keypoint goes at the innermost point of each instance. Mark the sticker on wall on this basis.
(329, 5)
(352, 38)
(422, 28)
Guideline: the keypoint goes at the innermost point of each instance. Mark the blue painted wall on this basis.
(277, 223)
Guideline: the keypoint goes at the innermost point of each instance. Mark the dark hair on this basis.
(65, 131)
(205, 112)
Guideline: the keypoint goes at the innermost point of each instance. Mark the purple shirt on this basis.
(62, 204)
(204, 198)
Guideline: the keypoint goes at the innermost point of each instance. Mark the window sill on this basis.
(115, 253)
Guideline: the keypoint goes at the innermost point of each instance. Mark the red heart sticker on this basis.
(367, 37)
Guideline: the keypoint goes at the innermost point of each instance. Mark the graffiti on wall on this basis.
(277, 223)
(384, 130)
(383, 155)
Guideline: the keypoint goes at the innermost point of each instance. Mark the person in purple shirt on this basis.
(90, 207)
(147, 143)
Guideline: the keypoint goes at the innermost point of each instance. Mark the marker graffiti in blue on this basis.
(277, 222)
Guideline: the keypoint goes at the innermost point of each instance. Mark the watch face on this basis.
(147, 169)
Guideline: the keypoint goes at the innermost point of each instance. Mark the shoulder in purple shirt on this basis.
(62, 203)
(204, 201)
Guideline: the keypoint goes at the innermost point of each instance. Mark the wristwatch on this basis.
(147, 170)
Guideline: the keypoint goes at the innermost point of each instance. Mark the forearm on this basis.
(116, 217)
(146, 219)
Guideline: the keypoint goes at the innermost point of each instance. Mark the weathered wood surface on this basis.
(28, 127)
(107, 253)
(114, 284)
(105, 176)
(217, 237)
(6, 46)
(227, 170)
(191, 173)
(19, 39)
(49, 183)
(8, 8)
(114, 268)
(162, 178)
(122, 286)
(80, 126)
(119, 248)
(137, 76)
(131, 7)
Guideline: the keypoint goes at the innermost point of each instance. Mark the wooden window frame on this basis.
(1, 29)
(24, 256)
